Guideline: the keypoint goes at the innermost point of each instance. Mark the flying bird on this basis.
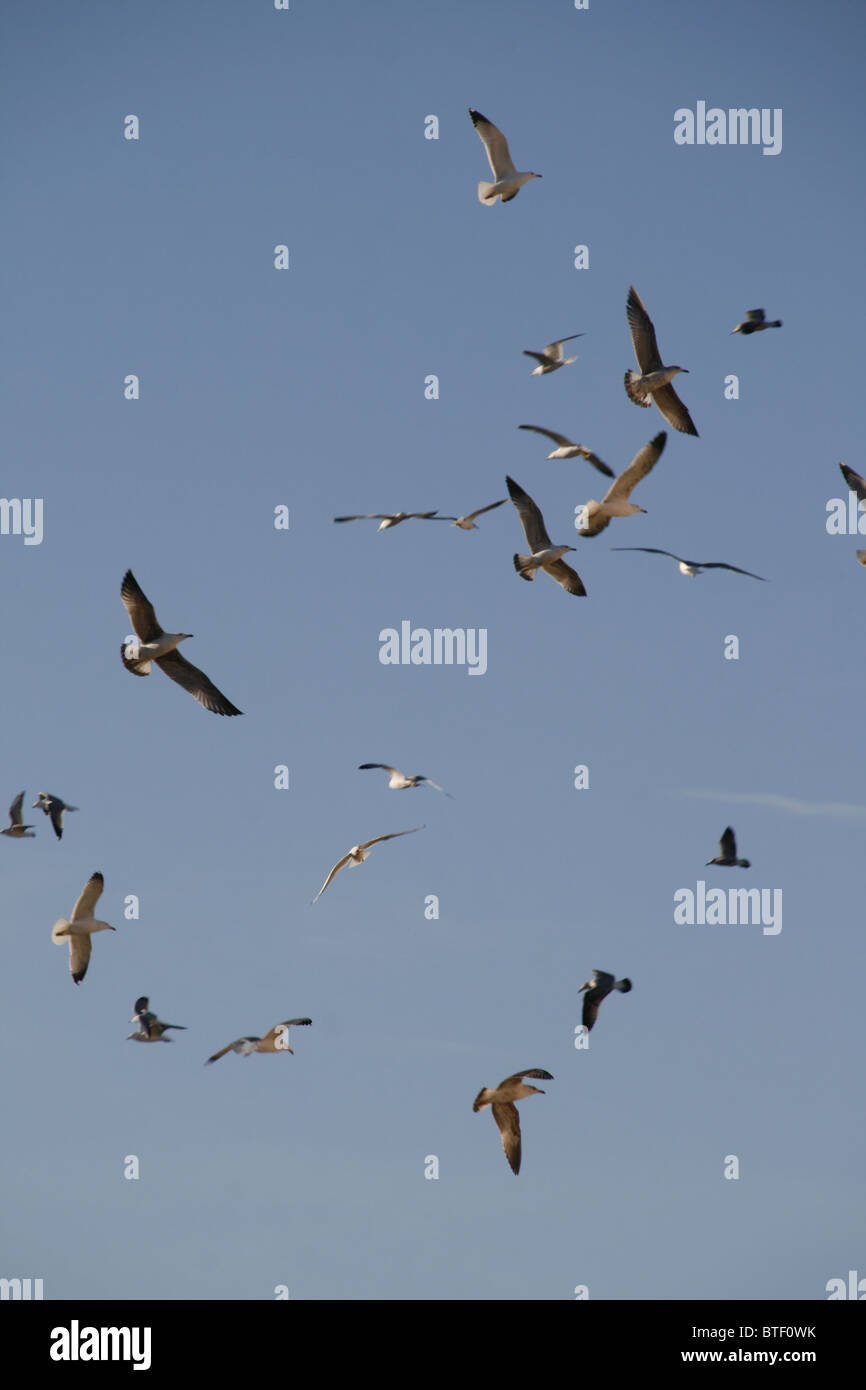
(728, 857)
(53, 807)
(755, 322)
(358, 853)
(467, 523)
(508, 180)
(277, 1040)
(854, 481)
(566, 450)
(394, 518)
(861, 557)
(80, 927)
(544, 555)
(150, 1028)
(156, 645)
(398, 781)
(505, 1111)
(551, 359)
(653, 381)
(598, 987)
(690, 566)
(597, 515)
(15, 829)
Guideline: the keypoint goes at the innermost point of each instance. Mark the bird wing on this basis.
(177, 668)
(559, 439)
(139, 608)
(506, 1116)
(532, 1071)
(481, 510)
(595, 461)
(496, 145)
(15, 810)
(567, 577)
(393, 836)
(755, 315)
(718, 565)
(643, 334)
(854, 481)
(55, 810)
(79, 954)
(140, 1005)
(651, 550)
(530, 517)
(341, 864)
(539, 356)
(554, 352)
(362, 767)
(728, 844)
(269, 1041)
(673, 410)
(223, 1050)
(429, 780)
(365, 516)
(89, 897)
(429, 516)
(591, 1005)
(643, 461)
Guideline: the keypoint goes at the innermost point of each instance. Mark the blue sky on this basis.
(306, 388)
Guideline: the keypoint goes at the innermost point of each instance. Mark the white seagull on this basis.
(277, 1040)
(467, 523)
(567, 450)
(690, 566)
(505, 1111)
(156, 645)
(551, 359)
(150, 1028)
(16, 830)
(544, 555)
(653, 381)
(598, 987)
(358, 853)
(398, 781)
(53, 807)
(755, 322)
(597, 515)
(393, 518)
(81, 925)
(728, 857)
(508, 180)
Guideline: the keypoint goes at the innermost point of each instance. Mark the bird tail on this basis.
(520, 563)
(58, 931)
(745, 863)
(480, 1101)
(623, 986)
(129, 657)
(634, 392)
(486, 194)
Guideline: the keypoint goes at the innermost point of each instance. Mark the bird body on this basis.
(398, 780)
(598, 987)
(276, 1040)
(597, 515)
(551, 359)
(79, 928)
(502, 1102)
(755, 322)
(543, 553)
(16, 830)
(728, 857)
(508, 180)
(53, 807)
(154, 644)
(653, 381)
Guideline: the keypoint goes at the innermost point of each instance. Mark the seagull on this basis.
(15, 829)
(505, 1111)
(277, 1040)
(394, 518)
(78, 930)
(399, 781)
(467, 523)
(357, 854)
(598, 987)
(597, 515)
(155, 645)
(653, 381)
(690, 566)
(854, 481)
(150, 1028)
(861, 556)
(551, 359)
(544, 555)
(567, 450)
(509, 180)
(53, 807)
(728, 857)
(755, 322)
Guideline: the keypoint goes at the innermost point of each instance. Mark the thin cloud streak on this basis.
(843, 810)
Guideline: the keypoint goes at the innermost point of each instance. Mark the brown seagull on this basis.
(156, 645)
(653, 381)
(277, 1040)
(505, 1111)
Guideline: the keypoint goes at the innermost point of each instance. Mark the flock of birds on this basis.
(151, 644)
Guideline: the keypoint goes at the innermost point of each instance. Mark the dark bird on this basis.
(755, 322)
(728, 857)
(150, 1028)
(598, 987)
(53, 807)
(156, 645)
(653, 381)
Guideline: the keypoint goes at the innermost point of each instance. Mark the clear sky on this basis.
(306, 388)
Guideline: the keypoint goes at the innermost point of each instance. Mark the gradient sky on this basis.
(306, 388)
